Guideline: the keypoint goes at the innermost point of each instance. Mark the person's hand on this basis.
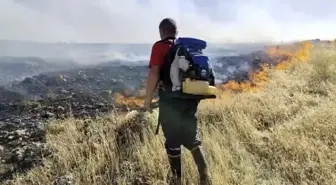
(147, 105)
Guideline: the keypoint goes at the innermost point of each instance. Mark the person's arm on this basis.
(156, 60)
(152, 81)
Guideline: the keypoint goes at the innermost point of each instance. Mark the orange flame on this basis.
(122, 100)
(286, 56)
(283, 57)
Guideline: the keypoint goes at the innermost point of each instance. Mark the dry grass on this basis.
(285, 134)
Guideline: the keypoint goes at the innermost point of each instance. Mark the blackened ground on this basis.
(26, 105)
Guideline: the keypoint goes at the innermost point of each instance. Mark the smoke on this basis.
(133, 21)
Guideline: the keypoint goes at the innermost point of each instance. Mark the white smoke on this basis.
(131, 21)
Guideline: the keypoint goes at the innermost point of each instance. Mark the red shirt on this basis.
(159, 50)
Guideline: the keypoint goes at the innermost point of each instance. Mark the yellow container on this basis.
(198, 87)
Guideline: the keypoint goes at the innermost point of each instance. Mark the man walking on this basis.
(176, 114)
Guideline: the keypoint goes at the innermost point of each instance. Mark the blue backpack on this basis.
(192, 49)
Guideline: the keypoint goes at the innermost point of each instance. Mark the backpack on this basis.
(186, 65)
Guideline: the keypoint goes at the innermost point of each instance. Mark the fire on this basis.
(300, 55)
(281, 56)
(129, 102)
(259, 79)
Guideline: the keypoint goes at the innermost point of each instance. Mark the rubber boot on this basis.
(175, 166)
(199, 159)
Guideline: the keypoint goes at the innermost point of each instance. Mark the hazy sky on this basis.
(137, 20)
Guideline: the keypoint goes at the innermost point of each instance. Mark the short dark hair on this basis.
(168, 25)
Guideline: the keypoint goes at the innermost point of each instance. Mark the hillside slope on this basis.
(283, 134)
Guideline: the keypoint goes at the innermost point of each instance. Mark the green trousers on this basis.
(179, 126)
